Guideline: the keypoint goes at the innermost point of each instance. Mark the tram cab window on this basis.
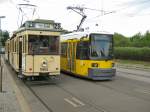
(83, 50)
(43, 44)
(101, 46)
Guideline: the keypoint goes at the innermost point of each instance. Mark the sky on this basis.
(128, 17)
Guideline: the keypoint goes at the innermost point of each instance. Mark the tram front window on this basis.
(43, 44)
(101, 46)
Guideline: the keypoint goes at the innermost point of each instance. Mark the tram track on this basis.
(137, 74)
(30, 89)
(123, 91)
(89, 102)
(81, 97)
(38, 97)
(86, 101)
(108, 86)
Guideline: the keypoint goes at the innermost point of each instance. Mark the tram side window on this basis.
(13, 46)
(64, 49)
(23, 44)
(17, 45)
(82, 50)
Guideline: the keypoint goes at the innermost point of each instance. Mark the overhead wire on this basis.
(20, 7)
(121, 9)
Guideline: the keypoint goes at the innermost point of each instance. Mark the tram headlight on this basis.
(44, 64)
(113, 64)
(30, 69)
(94, 64)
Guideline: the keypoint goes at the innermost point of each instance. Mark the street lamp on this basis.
(0, 20)
(1, 17)
(0, 56)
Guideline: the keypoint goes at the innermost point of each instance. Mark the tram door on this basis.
(71, 56)
(20, 54)
(8, 48)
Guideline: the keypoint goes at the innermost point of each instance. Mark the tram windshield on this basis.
(101, 46)
(41, 44)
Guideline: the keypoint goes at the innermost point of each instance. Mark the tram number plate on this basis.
(43, 69)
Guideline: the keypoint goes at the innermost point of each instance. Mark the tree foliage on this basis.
(133, 53)
(136, 47)
(120, 40)
(4, 37)
(137, 40)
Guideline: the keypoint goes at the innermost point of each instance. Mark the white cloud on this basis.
(3, 1)
(127, 20)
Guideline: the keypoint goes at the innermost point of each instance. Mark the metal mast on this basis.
(80, 11)
(1, 17)
(24, 7)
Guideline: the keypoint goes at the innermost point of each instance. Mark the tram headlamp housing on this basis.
(94, 64)
(113, 64)
(44, 64)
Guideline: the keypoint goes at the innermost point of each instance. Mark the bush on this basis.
(132, 53)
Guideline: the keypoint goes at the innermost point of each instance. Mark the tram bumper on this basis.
(101, 74)
(49, 73)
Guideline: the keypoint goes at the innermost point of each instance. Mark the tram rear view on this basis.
(35, 49)
(43, 54)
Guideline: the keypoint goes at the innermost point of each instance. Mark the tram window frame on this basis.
(111, 44)
(18, 45)
(80, 48)
(15, 46)
(12, 46)
(50, 48)
(25, 43)
(64, 49)
(22, 45)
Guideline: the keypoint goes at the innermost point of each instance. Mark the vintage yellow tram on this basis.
(34, 49)
(88, 54)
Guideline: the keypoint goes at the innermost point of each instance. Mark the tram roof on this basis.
(40, 25)
(38, 29)
(78, 35)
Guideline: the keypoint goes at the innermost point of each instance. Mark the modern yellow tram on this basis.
(88, 54)
(34, 49)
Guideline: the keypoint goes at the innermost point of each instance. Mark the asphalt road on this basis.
(128, 92)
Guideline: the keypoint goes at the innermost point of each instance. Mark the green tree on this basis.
(5, 36)
(120, 40)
